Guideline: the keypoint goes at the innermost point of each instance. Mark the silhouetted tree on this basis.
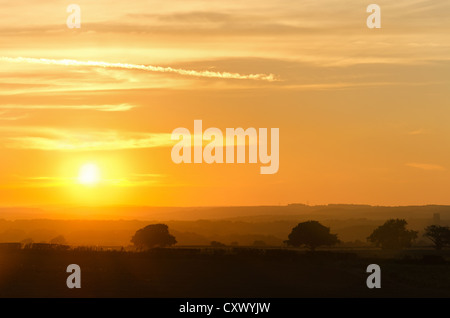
(311, 234)
(154, 235)
(439, 235)
(393, 235)
(61, 240)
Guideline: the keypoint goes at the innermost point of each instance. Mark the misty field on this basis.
(216, 272)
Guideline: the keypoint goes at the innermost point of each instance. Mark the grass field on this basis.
(228, 272)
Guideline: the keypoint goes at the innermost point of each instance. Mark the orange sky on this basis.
(363, 113)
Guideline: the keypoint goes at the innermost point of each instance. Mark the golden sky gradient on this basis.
(363, 113)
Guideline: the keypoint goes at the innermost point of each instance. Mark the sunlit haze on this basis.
(362, 113)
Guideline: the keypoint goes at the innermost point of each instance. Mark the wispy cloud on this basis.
(31, 182)
(132, 180)
(135, 180)
(69, 140)
(104, 108)
(149, 68)
(425, 166)
(4, 116)
(417, 132)
(59, 139)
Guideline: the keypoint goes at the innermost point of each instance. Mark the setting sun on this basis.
(89, 174)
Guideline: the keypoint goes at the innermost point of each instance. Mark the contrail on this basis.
(150, 68)
(104, 108)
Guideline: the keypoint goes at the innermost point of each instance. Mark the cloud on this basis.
(425, 166)
(187, 17)
(40, 182)
(55, 139)
(420, 131)
(4, 116)
(132, 180)
(65, 140)
(149, 68)
(104, 108)
(135, 180)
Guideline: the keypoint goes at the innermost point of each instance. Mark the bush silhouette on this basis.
(154, 235)
(61, 240)
(311, 234)
(439, 235)
(393, 235)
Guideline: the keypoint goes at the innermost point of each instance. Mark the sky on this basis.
(362, 113)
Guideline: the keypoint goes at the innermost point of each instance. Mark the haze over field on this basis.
(114, 226)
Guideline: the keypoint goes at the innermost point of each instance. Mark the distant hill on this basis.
(247, 213)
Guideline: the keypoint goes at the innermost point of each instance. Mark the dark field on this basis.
(239, 272)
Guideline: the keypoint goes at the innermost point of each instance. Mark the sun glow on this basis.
(89, 174)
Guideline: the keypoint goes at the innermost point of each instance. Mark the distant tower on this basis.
(436, 218)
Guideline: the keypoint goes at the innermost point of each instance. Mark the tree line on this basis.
(393, 234)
